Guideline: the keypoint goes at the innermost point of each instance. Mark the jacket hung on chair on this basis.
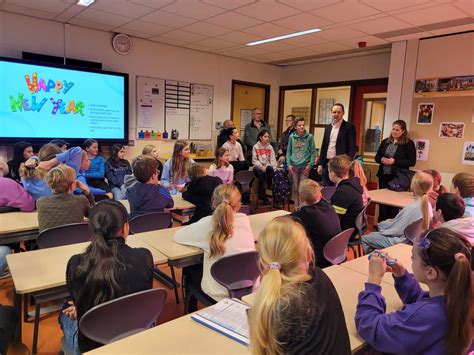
(199, 192)
(347, 201)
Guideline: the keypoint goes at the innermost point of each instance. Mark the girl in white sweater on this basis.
(264, 163)
(226, 232)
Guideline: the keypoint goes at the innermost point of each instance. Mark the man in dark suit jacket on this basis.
(339, 138)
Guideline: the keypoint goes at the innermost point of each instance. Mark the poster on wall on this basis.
(425, 114)
(451, 130)
(468, 154)
(422, 149)
(446, 86)
(245, 117)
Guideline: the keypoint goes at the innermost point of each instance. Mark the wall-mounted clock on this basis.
(122, 43)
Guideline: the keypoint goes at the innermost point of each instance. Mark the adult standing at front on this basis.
(339, 138)
(253, 128)
(395, 152)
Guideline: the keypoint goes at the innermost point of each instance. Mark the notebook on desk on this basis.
(228, 317)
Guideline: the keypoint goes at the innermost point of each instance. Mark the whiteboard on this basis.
(168, 104)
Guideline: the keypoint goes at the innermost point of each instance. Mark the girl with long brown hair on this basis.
(175, 170)
(435, 322)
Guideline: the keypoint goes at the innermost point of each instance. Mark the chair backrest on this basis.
(327, 192)
(335, 250)
(123, 316)
(237, 273)
(150, 222)
(245, 209)
(244, 178)
(64, 235)
(361, 223)
(414, 230)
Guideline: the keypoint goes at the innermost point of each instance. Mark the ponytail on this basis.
(358, 171)
(283, 246)
(226, 199)
(450, 253)
(421, 185)
(425, 211)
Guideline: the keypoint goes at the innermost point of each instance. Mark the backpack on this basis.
(402, 180)
(281, 186)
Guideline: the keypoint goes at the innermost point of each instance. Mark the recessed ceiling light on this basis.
(296, 34)
(85, 2)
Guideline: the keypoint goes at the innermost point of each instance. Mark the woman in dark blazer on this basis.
(397, 151)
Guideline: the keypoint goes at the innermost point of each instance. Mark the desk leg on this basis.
(169, 282)
(17, 307)
(175, 284)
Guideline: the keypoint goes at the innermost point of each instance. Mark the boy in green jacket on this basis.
(300, 156)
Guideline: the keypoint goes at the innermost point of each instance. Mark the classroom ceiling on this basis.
(224, 26)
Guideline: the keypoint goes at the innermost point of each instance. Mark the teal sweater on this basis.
(301, 150)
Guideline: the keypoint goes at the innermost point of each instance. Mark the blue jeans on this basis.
(4, 251)
(117, 192)
(69, 328)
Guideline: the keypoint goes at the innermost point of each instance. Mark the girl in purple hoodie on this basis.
(433, 322)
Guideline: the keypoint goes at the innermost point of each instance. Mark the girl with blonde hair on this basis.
(391, 231)
(358, 171)
(226, 232)
(296, 308)
(175, 170)
(152, 151)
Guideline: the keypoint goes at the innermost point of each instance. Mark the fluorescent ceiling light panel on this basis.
(296, 34)
(85, 2)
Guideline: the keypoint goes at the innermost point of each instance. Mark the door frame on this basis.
(258, 85)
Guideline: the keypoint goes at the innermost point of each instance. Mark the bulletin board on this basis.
(166, 105)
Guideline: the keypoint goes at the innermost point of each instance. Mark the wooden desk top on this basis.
(15, 222)
(46, 268)
(348, 284)
(391, 198)
(179, 336)
(259, 221)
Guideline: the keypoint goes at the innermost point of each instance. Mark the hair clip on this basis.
(459, 256)
(275, 265)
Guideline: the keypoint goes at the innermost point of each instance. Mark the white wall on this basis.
(21, 33)
(372, 66)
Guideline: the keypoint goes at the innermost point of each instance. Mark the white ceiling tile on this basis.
(257, 59)
(70, 12)
(132, 33)
(165, 40)
(28, 11)
(233, 20)
(101, 17)
(465, 5)
(384, 5)
(240, 37)
(302, 22)
(385, 24)
(276, 46)
(456, 29)
(432, 15)
(148, 28)
(206, 29)
(340, 33)
(123, 8)
(371, 41)
(168, 19)
(154, 4)
(330, 47)
(229, 4)
(216, 43)
(276, 56)
(305, 41)
(345, 11)
(409, 36)
(233, 54)
(51, 6)
(184, 36)
(267, 30)
(267, 10)
(193, 9)
(88, 24)
(250, 51)
(198, 47)
(307, 5)
(300, 52)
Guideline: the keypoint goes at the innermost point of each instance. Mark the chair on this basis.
(64, 235)
(49, 238)
(244, 178)
(414, 230)
(123, 316)
(335, 250)
(237, 273)
(150, 222)
(327, 192)
(361, 225)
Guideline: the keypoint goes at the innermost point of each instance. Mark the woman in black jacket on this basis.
(397, 151)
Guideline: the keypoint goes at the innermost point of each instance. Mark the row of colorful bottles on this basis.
(157, 135)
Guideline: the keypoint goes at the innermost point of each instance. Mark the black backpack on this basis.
(281, 186)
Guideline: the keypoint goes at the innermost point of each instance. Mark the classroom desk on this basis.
(45, 269)
(348, 284)
(179, 336)
(179, 203)
(18, 226)
(391, 198)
